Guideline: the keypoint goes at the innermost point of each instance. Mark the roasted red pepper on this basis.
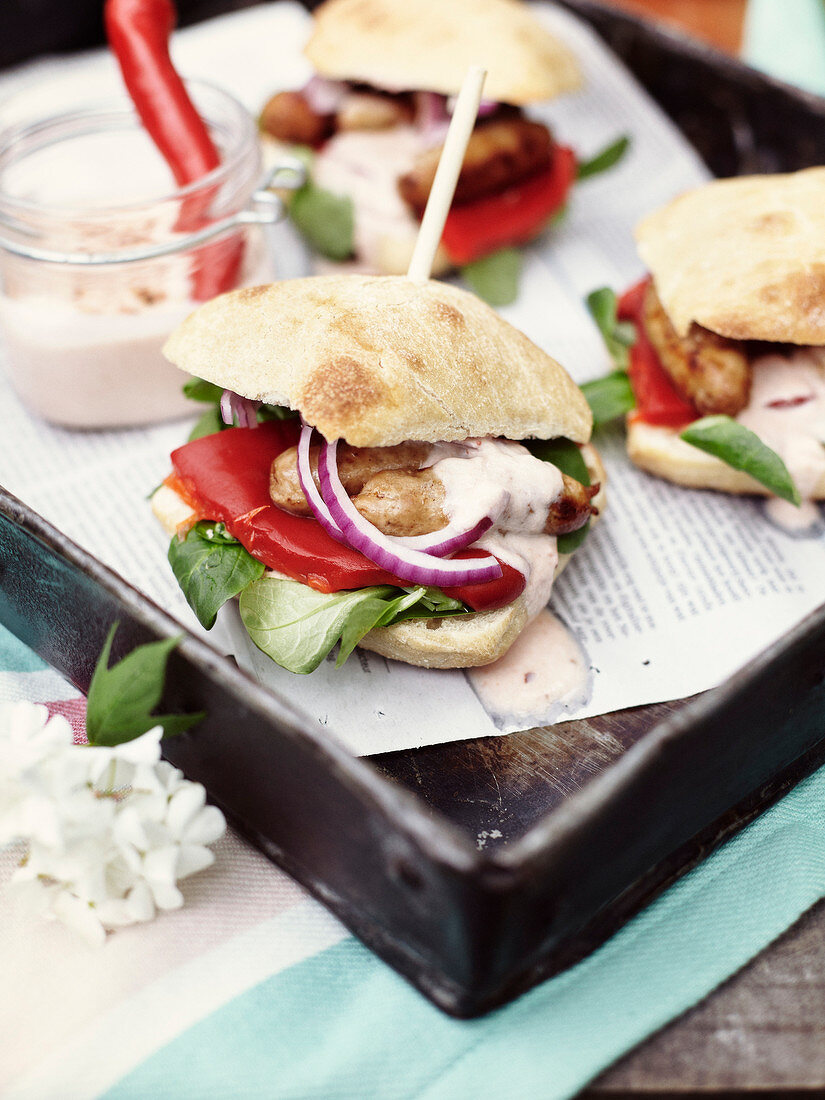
(138, 33)
(225, 477)
(514, 216)
(657, 400)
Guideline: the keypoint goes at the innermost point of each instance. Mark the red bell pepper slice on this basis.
(657, 400)
(225, 477)
(514, 216)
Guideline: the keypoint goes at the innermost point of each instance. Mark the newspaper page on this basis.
(671, 592)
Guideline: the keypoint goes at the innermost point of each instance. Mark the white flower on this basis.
(27, 738)
(110, 831)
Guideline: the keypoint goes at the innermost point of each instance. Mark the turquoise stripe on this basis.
(15, 657)
(787, 39)
(342, 1026)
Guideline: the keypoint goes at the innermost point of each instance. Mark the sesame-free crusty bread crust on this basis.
(743, 257)
(660, 451)
(428, 45)
(377, 360)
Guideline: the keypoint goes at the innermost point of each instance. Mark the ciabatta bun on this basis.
(428, 45)
(377, 360)
(743, 257)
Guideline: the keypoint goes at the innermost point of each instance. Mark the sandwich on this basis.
(405, 471)
(375, 115)
(727, 362)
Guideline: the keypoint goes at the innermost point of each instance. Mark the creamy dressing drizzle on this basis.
(492, 467)
(543, 673)
(787, 411)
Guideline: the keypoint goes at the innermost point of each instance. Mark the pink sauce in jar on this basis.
(84, 311)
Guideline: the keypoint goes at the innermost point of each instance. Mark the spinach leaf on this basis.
(276, 412)
(742, 449)
(566, 544)
(609, 397)
(211, 566)
(121, 698)
(197, 389)
(607, 158)
(208, 423)
(618, 335)
(495, 278)
(297, 626)
(563, 453)
(325, 220)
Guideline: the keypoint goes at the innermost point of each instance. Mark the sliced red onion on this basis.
(242, 410)
(432, 118)
(310, 489)
(411, 565)
(324, 96)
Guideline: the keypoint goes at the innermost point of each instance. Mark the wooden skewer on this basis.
(446, 176)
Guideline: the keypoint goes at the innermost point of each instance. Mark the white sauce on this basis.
(543, 673)
(493, 467)
(787, 411)
(365, 165)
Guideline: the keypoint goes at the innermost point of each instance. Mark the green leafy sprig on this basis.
(211, 567)
(605, 159)
(742, 449)
(495, 278)
(122, 697)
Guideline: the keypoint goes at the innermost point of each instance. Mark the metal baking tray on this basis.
(478, 868)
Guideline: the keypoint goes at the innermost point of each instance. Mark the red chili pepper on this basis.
(657, 400)
(138, 33)
(225, 477)
(514, 216)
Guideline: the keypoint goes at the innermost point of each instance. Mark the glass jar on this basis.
(101, 256)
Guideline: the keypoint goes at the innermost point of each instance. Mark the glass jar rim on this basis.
(240, 130)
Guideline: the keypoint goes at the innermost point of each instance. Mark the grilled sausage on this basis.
(501, 151)
(356, 465)
(711, 372)
(289, 118)
(390, 489)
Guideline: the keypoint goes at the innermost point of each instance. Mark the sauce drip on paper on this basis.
(543, 672)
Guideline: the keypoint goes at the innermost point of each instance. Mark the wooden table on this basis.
(717, 21)
(763, 1031)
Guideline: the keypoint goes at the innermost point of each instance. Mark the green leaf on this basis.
(495, 278)
(211, 567)
(563, 453)
(566, 544)
(275, 412)
(609, 397)
(325, 220)
(742, 449)
(122, 697)
(197, 389)
(207, 424)
(297, 626)
(618, 335)
(607, 158)
(567, 457)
